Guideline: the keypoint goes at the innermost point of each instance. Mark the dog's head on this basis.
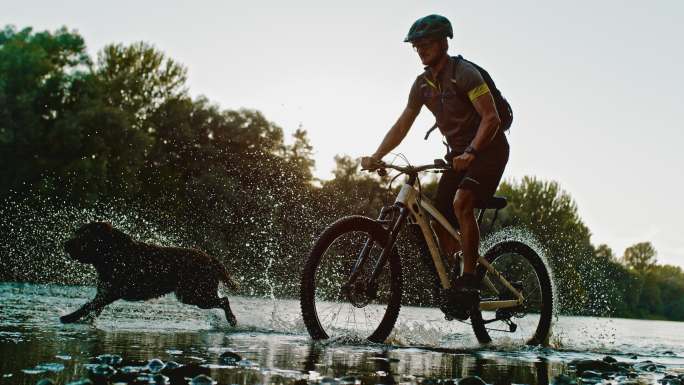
(94, 240)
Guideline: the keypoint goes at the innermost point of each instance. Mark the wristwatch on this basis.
(470, 150)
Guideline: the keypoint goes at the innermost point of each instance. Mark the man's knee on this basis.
(464, 203)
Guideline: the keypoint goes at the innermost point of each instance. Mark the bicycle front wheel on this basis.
(335, 306)
(530, 322)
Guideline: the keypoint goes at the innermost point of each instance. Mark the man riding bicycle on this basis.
(478, 149)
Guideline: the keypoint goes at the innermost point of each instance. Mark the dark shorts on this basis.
(482, 178)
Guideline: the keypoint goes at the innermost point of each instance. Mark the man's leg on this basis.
(447, 243)
(464, 207)
(446, 191)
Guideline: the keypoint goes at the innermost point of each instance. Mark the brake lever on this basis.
(380, 170)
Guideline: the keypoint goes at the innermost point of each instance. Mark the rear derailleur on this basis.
(506, 314)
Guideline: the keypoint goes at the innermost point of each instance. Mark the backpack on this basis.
(502, 105)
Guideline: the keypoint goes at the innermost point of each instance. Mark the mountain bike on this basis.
(352, 280)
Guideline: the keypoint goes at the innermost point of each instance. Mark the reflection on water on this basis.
(275, 349)
(278, 358)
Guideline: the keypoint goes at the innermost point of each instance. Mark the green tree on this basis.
(41, 77)
(300, 154)
(139, 78)
(354, 192)
(603, 252)
(641, 257)
(550, 215)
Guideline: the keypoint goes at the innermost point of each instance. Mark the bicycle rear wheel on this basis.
(529, 323)
(334, 307)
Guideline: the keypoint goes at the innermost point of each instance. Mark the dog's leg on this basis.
(225, 305)
(218, 303)
(95, 306)
(210, 300)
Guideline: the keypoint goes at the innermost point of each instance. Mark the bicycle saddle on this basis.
(492, 203)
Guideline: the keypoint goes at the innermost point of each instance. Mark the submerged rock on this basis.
(229, 358)
(155, 365)
(102, 370)
(350, 380)
(171, 365)
(609, 359)
(328, 381)
(247, 364)
(592, 377)
(590, 374)
(109, 359)
(563, 379)
(143, 379)
(131, 369)
(670, 379)
(125, 376)
(595, 365)
(160, 379)
(471, 380)
(202, 379)
(83, 381)
(138, 363)
(649, 366)
(53, 367)
(178, 375)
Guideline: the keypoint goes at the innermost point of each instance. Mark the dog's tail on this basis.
(224, 276)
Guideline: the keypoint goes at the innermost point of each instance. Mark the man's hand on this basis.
(370, 163)
(463, 161)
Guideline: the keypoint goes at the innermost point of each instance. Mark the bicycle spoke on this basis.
(338, 300)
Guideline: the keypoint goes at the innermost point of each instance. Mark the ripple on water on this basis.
(135, 333)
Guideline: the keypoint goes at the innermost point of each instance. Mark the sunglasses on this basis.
(423, 44)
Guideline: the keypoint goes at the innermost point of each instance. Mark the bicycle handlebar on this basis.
(438, 164)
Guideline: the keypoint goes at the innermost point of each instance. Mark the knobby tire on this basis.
(541, 334)
(308, 280)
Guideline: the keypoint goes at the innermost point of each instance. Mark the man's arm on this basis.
(393, 137)
(489, 125)
(489, 121)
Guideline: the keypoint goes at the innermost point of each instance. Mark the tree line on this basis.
(117, 137)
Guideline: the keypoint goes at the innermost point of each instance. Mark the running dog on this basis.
(137, 271)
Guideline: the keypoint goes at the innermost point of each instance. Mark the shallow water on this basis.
(275, 349)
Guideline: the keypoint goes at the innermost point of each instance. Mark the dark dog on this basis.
(136, 271)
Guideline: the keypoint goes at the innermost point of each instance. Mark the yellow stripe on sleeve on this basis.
(478, 91)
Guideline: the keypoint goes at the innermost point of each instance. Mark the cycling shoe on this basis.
(457, 301)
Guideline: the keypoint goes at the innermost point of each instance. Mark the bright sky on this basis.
(596, 86)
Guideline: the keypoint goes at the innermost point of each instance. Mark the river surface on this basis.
(272, 346)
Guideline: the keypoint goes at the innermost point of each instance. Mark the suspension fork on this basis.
(363, 255)
(389, 245)
(396, 226)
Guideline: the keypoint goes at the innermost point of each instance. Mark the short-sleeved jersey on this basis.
(449, 98)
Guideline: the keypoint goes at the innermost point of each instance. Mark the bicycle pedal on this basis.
(456, 304)
(512, 327)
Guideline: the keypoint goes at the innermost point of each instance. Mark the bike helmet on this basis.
(430, 26)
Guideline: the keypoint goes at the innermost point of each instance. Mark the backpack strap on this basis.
(459, 92)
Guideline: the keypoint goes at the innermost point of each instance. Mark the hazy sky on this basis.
(596, 86)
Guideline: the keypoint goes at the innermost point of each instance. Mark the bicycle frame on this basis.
(419, 210)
